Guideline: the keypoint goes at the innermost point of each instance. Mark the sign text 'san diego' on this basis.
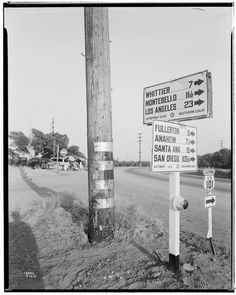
(174, 147)
(183, 99)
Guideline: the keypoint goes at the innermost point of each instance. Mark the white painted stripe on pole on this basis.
(104, 203)
(174, 232)
(174, 215)
(104, 184)
(104, 165)
(209, 233)
(103, 146)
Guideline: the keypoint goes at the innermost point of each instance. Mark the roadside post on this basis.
(174, 146)
(57, 156)
(210, 200)
(99, 125)
(174, 151)
(63, 153)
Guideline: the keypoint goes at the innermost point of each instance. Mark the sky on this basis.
(149, 45)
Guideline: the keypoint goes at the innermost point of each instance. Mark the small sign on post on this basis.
(210, 200)
(63, 153)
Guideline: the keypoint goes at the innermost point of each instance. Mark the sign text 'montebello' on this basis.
(174, 147)
(186, 98)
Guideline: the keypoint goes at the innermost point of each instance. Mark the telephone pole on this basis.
(140, 152)
(99, 125)
(54, 143)
(221, 144)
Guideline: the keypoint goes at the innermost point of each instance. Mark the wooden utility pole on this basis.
(140, 142)
(99, 125)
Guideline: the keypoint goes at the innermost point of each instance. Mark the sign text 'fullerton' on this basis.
(174, 147)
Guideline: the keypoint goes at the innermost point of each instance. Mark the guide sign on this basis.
(174, 147)
(186, 98)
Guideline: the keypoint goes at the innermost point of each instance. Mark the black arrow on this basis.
(192, 133)
(192, 159)
(192, 141)
(198, 82)
(198, 102)
(212, 200)
(192, 150)
(199, 92)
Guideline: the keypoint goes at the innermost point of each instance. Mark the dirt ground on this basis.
(49, 249)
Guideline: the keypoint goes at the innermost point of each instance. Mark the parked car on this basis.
(44, 163)
(23, 161)
(34, 162)
(15, 160)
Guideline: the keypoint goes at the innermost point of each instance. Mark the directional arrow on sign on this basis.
(198, 102)
(192, 150)
(198, 82)
(198, 92)
(192, 141)
(192, 133)
(210, 201)
(192, 159)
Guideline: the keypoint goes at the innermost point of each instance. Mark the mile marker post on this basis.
(99, 125)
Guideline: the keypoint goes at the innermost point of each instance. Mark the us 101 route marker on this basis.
(186, 98)
(210, 200)
(174, 145)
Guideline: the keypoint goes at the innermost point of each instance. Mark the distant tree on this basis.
(220, 159)
(62, 140)
(73, 150)
(11, 152)
(38, 141)
(20, 140)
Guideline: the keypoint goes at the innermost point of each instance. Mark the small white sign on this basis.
(209, 182)
(63, 152)
(209, 179)
(210, 201)
(183, 99)
(174, 147)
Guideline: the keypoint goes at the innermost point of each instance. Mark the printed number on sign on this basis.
(188, 104)
(209, 183)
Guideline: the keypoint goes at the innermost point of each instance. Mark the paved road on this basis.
(148, 191)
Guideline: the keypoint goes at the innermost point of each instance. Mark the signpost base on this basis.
(173, 262)
(212, 247)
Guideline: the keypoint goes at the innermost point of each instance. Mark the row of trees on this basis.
(221, 159)
(44, 144)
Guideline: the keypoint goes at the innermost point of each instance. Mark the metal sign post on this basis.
(63, 153)
(174, 151)
(174, 221)
(209, 184)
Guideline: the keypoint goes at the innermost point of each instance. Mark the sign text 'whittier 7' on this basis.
(174, 147)
(183, 99)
